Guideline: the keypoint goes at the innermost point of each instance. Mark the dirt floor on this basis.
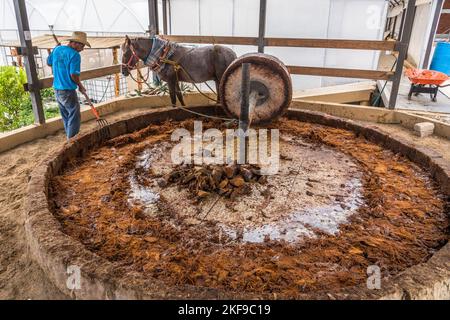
(21, 278)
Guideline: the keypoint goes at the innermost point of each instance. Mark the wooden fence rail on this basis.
(290, 42)
(345, 73)
(272, 42)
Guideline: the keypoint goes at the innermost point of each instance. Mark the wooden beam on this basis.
(253, 41)
(85, 75)
(331, 43)
(312, 71)
(116, 75)
(340, 97)
(344, 93)
(289, 42)
(139, 77)
(349, 111)
(343, 73)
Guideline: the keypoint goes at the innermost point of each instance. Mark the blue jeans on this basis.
(69, 107)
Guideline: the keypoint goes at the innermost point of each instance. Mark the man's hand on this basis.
(81, 88)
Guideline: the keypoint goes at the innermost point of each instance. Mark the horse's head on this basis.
(134, 50)
(129, 56)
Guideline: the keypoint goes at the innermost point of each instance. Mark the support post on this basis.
(139, 77)
(30, 64)
(116, 75)
(262, 25)
(403, 52)
(164, 13)
(153, 27)
(437, 14)
(19, 62)
(394, 26)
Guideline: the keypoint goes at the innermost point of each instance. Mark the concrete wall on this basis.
(14, 138)
(372, 114)
(353, 112)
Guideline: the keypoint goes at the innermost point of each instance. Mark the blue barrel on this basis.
(441, 58)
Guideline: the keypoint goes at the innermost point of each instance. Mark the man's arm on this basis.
(76, 78)
(74, 69)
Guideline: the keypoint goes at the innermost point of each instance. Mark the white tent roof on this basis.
(83, 15)
(323, 19)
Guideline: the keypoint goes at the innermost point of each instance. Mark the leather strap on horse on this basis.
(156, 65)
(177, 66)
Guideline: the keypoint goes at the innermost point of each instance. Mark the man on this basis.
(65, 62)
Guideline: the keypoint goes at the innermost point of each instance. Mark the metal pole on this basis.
(262, 24)
(153, 27)
(170, 17)
(30, 64)
(434, 25)
(403, 52)
(164, 12)
(244, 114)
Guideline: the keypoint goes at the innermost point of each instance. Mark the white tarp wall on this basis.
(421, 31)
(338, 19)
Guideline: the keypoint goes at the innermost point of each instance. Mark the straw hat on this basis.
(81, 37)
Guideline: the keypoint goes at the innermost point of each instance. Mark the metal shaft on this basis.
(245, 95)
(248, 104)
(244, 114)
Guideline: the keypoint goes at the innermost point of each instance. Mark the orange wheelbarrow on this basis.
(420, 79)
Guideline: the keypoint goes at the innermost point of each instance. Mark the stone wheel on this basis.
(268, 76)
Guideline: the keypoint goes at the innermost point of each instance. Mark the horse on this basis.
(186, 64)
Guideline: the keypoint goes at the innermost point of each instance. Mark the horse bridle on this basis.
(131, 67)
(133, 55)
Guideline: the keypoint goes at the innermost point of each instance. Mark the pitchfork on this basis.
(102, 124)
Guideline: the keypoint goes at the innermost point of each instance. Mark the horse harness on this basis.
(164, 58)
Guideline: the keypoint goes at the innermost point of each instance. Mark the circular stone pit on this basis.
(90, 206)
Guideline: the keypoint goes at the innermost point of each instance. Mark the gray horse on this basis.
(197, 64)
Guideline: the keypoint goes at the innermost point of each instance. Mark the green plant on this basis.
(51, 112)
(13, 97)
(48, 94)
(15, 103)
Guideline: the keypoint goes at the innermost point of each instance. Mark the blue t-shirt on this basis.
(65, 61)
